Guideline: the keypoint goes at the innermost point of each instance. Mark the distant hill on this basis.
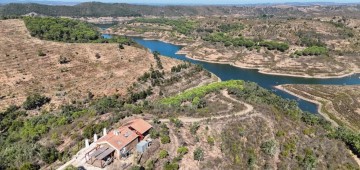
(45, 2)
(85, 9)
(97, 9)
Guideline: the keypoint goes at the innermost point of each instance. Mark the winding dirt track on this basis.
(248, 109)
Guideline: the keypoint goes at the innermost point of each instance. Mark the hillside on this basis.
(266, 132)
(339, 103)
(96, 9)
(56, 94)
(317, 47)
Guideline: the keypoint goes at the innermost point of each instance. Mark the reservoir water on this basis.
(229, 72)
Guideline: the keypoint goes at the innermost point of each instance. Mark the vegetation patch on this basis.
(68, 30)
(248, 43)
(200, 92)
(314, 50)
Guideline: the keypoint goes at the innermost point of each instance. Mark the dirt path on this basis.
(320, 105)
(248, 109)
(174, 143)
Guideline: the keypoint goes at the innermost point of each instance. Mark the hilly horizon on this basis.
(98, 9)
(72, 3)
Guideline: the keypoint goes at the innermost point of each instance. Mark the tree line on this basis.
(245, 42)
(69, 30)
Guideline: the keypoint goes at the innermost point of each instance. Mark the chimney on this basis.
(104, 132)
(87, 143)
(95, 137)
(116, 132)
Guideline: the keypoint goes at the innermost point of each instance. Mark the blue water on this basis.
(228, 72)
(106, 36)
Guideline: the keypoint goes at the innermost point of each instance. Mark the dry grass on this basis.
(22, 71)
(342, 103)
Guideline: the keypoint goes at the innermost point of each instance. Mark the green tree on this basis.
(35, 100)
(49, 155)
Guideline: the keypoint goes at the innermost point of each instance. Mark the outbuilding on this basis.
(142, 146)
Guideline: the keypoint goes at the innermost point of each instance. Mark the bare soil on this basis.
(23, 71)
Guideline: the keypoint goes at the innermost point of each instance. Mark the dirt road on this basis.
(248, 109)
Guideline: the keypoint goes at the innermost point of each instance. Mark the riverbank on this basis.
(319, 104)
(261, 70)
(340, 103)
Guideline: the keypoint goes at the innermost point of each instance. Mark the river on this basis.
(229, 72)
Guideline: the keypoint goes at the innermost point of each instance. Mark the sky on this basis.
(191, 1)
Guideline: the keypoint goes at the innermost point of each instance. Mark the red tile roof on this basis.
(140, 125)
(121, 137)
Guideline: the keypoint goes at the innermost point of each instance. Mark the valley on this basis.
(122, 86)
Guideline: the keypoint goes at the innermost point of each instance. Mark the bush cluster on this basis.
(314, 50)
(34, 101)
(244, 42)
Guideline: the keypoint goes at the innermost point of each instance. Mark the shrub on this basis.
(35, 100)
(210, 140)
(71, 167)
(41, 53)
(30, 166)
(121, 46)
(252, 160)
(273, 45)
(269, 147)
(156, 121)
(154, 134)
(49, 155)
(198, 154)
(105, 104)
(231, 27)
(177, 122)
(97, 56)
(150, 164)
(309, 160)
(194, 128)
(165, 139)
(136, 167)
(182, 150)
(314, 50)
(63, 60)
(163, 154)
(171, 166)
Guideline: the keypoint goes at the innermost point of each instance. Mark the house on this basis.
(118, 142)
